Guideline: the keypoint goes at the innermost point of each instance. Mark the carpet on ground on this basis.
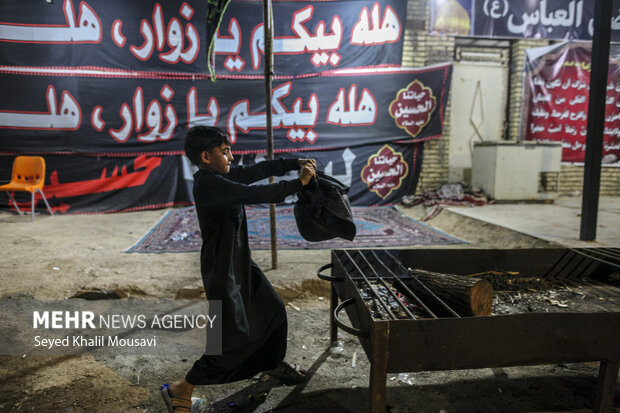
(178, 231)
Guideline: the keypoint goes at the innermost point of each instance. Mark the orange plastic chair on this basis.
(28, 175)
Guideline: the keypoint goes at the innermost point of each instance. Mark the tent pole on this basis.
(268, 36)
(596, 119)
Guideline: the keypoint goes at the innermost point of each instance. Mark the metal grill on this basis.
(396, 319)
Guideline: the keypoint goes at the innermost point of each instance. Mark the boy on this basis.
(253, 315)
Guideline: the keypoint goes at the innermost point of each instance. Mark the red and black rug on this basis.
(178, 231)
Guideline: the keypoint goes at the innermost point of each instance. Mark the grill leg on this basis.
(378, 368)
(606, 388)
(333, 301)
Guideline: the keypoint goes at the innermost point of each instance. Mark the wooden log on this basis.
(468, 296)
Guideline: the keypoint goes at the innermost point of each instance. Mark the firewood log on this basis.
(468, 296)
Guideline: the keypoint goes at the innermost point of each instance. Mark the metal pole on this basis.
(268, 36)
(596, 118)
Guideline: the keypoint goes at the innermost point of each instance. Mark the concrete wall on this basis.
(422, 49)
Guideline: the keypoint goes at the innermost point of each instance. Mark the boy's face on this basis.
(218, 159)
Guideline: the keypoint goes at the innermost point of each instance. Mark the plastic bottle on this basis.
(406, 378)
(200, 405)
(337, 347)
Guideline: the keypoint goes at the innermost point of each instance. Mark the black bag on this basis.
(323, 210)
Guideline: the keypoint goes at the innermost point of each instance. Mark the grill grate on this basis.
(392, 292)
(379, 276)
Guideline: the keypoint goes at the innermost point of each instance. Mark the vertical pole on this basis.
(378, 367)
(596, 118)
(268, 36)
(333, 303)
(606, 387)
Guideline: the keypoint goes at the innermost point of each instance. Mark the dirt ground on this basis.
(64, 256)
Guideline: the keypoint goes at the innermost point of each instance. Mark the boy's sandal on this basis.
(174, 404)
(289, 373)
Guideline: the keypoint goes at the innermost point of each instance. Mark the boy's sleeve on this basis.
(226, 192)
(262, 170)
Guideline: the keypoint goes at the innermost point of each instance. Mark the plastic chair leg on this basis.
(32, 206)
(46, 203)
(19, 211)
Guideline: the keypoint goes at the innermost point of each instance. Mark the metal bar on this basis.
(385, 306)
(564, 267)
(432, 294)
(590, 269)
(46, 203)
(604, 254)
(595, 259)
(407, 289)
(268, 36)
(503, 340)
(578, 270)
(404, 307)
(555, 270)
(507, 113)
(333, 303)
(613, 251)
(596, 118)
(19, 211)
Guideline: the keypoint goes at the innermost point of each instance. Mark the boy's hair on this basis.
(203, 138)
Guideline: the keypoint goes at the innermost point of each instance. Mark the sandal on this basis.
(289, 373)
(174, 404)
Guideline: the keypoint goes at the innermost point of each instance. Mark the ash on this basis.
(558, 300)
(514, 302)
(377, 311)
(513, 294)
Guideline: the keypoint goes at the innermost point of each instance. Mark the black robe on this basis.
(253, 315)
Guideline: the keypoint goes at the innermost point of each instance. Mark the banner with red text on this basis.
(62, 112)
(556, 96)
(171, 36)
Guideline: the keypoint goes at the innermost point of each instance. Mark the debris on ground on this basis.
(447, 194)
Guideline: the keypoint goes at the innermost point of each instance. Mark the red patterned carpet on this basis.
(178, 231)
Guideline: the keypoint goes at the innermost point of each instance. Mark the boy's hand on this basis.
(301, 162)
(308, 170)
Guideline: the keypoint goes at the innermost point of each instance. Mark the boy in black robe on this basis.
(253, 315)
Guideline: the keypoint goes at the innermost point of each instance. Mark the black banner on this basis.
(312, 37)
(91, 185)
(171, 36)
(540, 19)
(100, 113)
(134, 35)
(377, 174)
